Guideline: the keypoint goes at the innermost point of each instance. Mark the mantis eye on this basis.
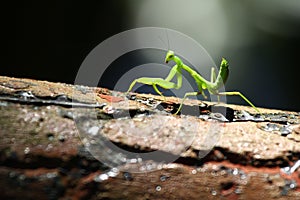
(171, 56)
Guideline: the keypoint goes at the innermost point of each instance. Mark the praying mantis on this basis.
(215, 83)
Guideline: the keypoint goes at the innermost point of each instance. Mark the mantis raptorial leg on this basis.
(216, 82)
(154, 82)
(164, 83)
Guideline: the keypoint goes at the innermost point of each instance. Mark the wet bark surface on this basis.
(58, 142)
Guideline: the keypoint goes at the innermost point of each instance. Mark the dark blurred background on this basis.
(48, 40)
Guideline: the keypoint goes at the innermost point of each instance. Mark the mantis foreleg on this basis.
(164, 83)
(153, 82)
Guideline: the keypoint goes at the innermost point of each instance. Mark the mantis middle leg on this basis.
(184, 98)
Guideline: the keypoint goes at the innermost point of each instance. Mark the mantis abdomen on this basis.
(222, 76)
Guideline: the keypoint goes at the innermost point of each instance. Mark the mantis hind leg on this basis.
(234, 93)
(213, 75)
(213, 78)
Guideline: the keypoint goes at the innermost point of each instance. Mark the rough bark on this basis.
(49, 133)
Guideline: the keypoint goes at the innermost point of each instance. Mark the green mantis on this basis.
(215, 83)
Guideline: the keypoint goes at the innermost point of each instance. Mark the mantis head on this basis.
(169, 56)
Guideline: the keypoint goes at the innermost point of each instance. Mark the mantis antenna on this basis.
(168, 46)
(168, 39)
